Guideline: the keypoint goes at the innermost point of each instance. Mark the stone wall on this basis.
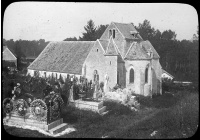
(119, 39)
(121, 73)
(138, 86)
(157, 77)
(103, 64)
(105, 35)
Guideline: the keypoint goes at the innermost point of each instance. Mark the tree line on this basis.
(179, 58)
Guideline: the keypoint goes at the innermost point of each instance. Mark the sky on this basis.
(55, 21)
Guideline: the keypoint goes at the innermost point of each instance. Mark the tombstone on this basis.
(96, 84)
(42, 113)
(71, 96)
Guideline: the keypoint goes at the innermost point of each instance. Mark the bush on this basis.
(117, 108)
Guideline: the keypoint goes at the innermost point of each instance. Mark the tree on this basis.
(168, 35)
(4, 42)
(100, 30)
(19, 54)
(90, 34)
(145, 30)
(71, 39)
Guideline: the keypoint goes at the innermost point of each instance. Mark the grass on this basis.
(170, 115)
(91, 125)
(179, 121)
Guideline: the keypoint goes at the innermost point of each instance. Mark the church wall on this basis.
(139, 86)
(105, 35)
(157, 77)
(111, 62)
(103, 64)
(122, 73)
(119, 39)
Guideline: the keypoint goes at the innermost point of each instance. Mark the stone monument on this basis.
(42, 113)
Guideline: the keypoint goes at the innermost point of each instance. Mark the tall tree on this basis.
(90, 34)
(145, 30)
(168, 35)
(100, 30)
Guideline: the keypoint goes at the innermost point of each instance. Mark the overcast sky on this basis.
(57, 21)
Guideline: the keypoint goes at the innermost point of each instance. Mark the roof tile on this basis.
(64, 56)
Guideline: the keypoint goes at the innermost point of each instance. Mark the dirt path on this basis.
(121, 130)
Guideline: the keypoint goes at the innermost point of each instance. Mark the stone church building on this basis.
(120, 54)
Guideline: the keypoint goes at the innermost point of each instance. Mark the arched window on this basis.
(146, 75)
(131, 76)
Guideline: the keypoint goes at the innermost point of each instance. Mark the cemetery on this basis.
(39, 102)
(35, 103)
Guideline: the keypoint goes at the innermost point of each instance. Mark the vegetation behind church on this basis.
(179, 58)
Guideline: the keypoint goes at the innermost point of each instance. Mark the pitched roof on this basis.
(147, 46)
(10, 49)
(104, 44)
(63, 56)
(4, 47)
(111, 48)
(163, 71)
(8, 55)
(125, 29)
(135, 52)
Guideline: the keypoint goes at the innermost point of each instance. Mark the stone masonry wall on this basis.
(103, 64)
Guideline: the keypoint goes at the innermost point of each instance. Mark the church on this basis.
(120, 56)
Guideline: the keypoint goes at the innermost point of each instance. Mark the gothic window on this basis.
(97, 50)
(45, 74)
(146, 75)
(113, 33)
(131, 76)
(110, 62)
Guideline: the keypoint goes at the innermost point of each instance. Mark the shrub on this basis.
(101, 85)
(117, 108)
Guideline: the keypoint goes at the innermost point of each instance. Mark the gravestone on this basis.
(44, 114)
(88, 103)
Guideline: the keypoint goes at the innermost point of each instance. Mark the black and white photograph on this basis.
(100, 70)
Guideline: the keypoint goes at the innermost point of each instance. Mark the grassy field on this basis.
(168, 116)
